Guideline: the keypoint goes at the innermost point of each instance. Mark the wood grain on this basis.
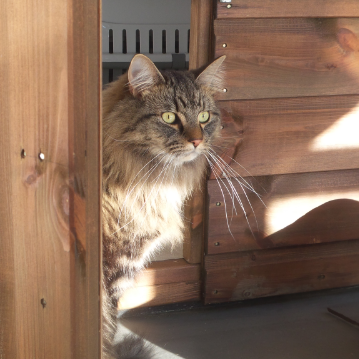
(164, 282)
(287, 8)
(278, 136)
(294, 209)
(254, 274)
(271, 58)
(43, 276)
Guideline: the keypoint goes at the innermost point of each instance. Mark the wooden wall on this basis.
(291, 117)
(50, 174)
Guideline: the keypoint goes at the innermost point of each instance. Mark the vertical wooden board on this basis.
(86, 169)
(292, 210)
(254, 274)
(40, 261)
(288, 57)
(291, 135)
(35, 118)
(287, 8)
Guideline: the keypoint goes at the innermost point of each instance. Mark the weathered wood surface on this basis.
(287, 8)
(46, 272)
(246, 275)
(288, 57)
(294, 209)
(277, 136)
(164, 282)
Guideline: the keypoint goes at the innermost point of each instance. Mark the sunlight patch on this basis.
(343, 134)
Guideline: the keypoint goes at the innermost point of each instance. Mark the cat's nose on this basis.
(196, 142)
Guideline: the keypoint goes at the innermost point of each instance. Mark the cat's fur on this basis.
(149, 168)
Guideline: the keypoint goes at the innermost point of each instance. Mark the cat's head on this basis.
(172, 112)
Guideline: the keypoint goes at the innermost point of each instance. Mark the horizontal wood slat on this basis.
(253, 274)
(275, 136)
(270, 58)
(164, 282)
(287, 8)
(299, 209)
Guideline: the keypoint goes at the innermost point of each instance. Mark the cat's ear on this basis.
(142, 75)
(212, 76)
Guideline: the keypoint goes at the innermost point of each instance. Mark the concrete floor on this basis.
(288, 327)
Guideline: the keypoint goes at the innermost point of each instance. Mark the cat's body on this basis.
(157, 129)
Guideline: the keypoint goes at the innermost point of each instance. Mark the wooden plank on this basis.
(85, 147)
(164, 282)
(200, 54)
(39, 262)
(288, 57)
(278, 136)
(169, 271)
(201, 35)
(287, 8)
(299, 209)
(253, 274)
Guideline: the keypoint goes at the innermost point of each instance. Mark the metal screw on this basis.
(216, 244)
(229, 6)
(215, 291)
(41, 156)
(222, 127)
(225, 90)
(218, 203)
(43, 302)
(23, 153)
(224, 45)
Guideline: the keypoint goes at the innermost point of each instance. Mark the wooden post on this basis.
(50, 175)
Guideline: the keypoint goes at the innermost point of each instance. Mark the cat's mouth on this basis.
(188, 156)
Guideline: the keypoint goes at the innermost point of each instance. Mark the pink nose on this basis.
(196, 142)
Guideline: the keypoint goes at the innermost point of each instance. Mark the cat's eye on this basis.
(169, 117)
(203, 117)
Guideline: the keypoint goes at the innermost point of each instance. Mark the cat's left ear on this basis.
(212, 76)
(142, 75)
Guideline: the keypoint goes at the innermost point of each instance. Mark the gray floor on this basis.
(290, 327)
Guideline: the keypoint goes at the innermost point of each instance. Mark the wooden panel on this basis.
(294, 135)
(255, 274)
(288, 8)
(294, 209)
(269, 58)
(164, 282)
(45, 273)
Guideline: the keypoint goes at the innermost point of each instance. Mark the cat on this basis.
(158, 127)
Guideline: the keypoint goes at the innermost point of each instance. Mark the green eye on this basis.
(169, 117)
(203, 117)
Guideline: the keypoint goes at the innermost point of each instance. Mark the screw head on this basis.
(222, 127)
(23, 153)
(225, 90)
(229, 6)
(41, 156)
(215, 291)
(224, 45)
(218, 204)
(216, 244)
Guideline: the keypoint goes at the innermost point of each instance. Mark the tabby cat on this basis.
(158, 127)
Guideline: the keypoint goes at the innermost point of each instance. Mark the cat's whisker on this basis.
(237, 195)
(224, 200)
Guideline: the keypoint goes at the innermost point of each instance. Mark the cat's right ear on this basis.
(142, 75)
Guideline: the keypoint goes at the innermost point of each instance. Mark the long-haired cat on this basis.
(157, 128)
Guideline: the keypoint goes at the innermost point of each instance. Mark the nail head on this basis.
(216, 244)
(225, 90)
(218, 203)
(43, 302)
(229, 6)
(23, 153)
(41, 156)
(224, 45)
